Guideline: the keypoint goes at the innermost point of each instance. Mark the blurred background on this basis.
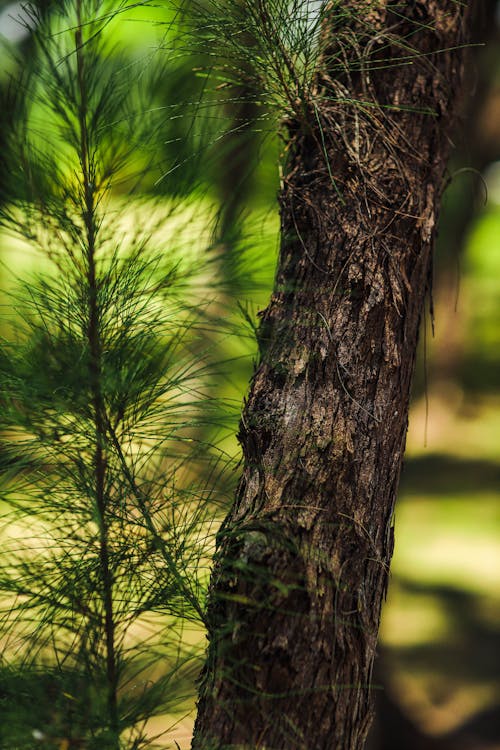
(439, 663)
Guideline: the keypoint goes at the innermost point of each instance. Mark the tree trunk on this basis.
(303, 557)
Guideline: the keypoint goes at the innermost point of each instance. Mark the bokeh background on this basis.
(439, 664)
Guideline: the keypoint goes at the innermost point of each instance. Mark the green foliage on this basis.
(272, 47)
(106, 390)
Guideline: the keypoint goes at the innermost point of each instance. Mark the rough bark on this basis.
(303, 558)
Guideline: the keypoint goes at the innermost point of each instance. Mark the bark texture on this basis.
(303, 558)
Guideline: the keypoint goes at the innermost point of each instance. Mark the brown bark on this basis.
(303, 557)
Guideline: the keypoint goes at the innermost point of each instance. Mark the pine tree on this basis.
(302, 561)
(108, 495)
